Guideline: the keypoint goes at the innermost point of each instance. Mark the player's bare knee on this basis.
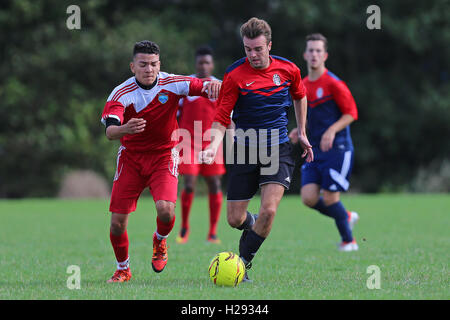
(309, 201)
(214, 185)
(189, 183)
(235, 221)
(214, 188)
(189, 188)
(117, 228)
(165, 210)
(330, 198)
(166, 216)
(267, 214)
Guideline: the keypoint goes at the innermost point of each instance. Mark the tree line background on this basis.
(54, 81)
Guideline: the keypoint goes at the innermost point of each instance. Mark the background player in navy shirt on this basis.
(331, 109)
(258, 89)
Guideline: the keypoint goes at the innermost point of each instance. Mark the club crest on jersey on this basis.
(276, 79)
(163, 97)
(319, 93)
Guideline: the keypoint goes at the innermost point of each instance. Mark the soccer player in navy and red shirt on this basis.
(196, 116)
(141, 112)
(258, 89)
(331, 110)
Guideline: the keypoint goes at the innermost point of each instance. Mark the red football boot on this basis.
(120, 276)
(159, 259)
(212, 238)
(183, 237)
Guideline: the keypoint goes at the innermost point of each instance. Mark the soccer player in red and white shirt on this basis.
(196, 116)
(141, 112)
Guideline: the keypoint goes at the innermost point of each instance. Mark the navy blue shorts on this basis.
(244, 179)
(330, 170)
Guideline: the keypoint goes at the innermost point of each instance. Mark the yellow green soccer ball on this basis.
(226, 269)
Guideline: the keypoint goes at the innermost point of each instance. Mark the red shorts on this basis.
(136, 171)
(217, 168)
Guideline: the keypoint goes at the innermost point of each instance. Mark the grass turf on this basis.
(406, 236)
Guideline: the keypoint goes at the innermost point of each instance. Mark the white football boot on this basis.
(348, 246)
(353, 218)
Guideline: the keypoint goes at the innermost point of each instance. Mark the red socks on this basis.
(215, 205)
(186, 203)
(120, 243)
(163, 229)
(120, 246)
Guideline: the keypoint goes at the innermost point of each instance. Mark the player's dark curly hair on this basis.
(204, 51)
(145, 46)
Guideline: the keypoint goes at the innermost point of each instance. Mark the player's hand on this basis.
(207, 156)
(293, 135)
(212, 88)
(134, 125)
(326, 142)
(307, 148)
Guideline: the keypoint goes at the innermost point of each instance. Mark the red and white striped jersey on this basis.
(158, 106)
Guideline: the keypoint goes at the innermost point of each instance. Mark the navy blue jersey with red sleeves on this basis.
(258, 98)
(328, 99)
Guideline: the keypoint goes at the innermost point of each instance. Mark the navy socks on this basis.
(338, 212)
(249, 245)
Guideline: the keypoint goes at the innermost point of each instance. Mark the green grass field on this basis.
(406, 236)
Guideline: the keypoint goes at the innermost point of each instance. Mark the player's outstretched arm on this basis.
(212, 88)
(133, 126)
(301, 107)
(228, 95)
(209, 154)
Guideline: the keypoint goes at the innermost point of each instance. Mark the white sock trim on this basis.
(123, 265)
(160, 237)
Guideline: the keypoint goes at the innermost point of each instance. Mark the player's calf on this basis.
(265, 220)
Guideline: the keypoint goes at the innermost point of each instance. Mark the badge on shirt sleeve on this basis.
(163, 97)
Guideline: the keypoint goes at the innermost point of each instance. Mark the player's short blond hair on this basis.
(255, 27)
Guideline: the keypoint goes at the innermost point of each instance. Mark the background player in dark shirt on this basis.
(331, 109)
